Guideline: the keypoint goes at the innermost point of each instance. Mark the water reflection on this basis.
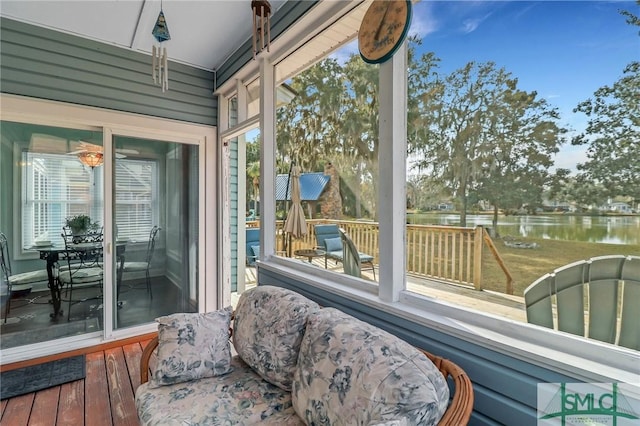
(595, 229)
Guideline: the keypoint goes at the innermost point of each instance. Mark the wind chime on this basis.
(261, 12)
(160, 71)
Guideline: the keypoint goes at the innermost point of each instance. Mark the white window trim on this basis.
(584, 359)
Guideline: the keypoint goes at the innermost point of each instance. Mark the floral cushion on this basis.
(238, 398)
(192, 346)
(29, 277)
(268, 328)
(352, 373)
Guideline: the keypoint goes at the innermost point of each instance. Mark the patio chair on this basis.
(611, 287)
(351, 263)
(630, 326)
(329, 238)
(84, 255)
(252, 245)
(16, 283)
(145, 265)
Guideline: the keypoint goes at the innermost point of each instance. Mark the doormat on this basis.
(37, 377)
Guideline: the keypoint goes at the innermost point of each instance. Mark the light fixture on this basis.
(261, 11)
(91, 159)
(159, 63)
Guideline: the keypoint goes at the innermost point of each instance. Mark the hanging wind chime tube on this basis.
(159, 62)
(261, 12)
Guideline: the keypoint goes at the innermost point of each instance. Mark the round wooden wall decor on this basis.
(383, 29)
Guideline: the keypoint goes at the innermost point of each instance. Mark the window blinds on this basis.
(57, 186)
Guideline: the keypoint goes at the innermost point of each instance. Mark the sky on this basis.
(564, 50)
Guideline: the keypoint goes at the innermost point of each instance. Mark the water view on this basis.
(594, 229)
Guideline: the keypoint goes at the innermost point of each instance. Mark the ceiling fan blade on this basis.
(88, 146)
(76, 152)
(127, 151)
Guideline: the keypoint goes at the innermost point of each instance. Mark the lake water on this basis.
(595, 229)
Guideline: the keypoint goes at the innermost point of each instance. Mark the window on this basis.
(328, 130)
(56, 186)
(527, 150)
(136, 198)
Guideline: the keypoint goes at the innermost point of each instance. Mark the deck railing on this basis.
(450, 253)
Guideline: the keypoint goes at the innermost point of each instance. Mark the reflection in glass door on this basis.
(156, 227)
(52, 181)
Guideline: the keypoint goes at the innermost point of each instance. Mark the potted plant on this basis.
(80, 224)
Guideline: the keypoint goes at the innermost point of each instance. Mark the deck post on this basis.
(477, 258)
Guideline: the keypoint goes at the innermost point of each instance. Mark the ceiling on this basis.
(204, 33)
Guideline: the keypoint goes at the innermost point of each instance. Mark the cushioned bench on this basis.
(296, 364)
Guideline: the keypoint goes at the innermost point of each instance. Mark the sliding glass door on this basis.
(134, 187)
(156, 229)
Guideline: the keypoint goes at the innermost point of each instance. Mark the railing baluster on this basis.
(443, 252)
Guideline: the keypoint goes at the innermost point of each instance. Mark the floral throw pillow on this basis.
(192, 346)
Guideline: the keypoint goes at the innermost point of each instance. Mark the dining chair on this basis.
(16, 282)
(83, 255)
(146, 264)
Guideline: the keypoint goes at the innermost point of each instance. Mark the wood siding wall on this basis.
(42, 63)
(236, 210)
(505, 388)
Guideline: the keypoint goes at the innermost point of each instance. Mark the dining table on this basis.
(54, 253)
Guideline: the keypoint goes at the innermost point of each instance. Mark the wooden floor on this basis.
(103, 398)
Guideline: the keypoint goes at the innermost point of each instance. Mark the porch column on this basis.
(267, 158)
(392, 169)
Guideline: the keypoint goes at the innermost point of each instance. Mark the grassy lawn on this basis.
(527, 265)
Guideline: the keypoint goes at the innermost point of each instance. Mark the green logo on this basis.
(588, 404)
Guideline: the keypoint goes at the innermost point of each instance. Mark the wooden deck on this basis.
(103, 398)
(508, 306)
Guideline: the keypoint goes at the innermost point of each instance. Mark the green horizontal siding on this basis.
(46, 64)
(235, 209)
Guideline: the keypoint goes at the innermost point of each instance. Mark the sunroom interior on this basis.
(177, 160)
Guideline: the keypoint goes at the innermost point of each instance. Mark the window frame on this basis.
(578, 357)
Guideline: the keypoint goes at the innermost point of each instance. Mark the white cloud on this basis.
(472, 24)
(423, 24)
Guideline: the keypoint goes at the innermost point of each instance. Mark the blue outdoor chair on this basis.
(252, 245)
(330, 239)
